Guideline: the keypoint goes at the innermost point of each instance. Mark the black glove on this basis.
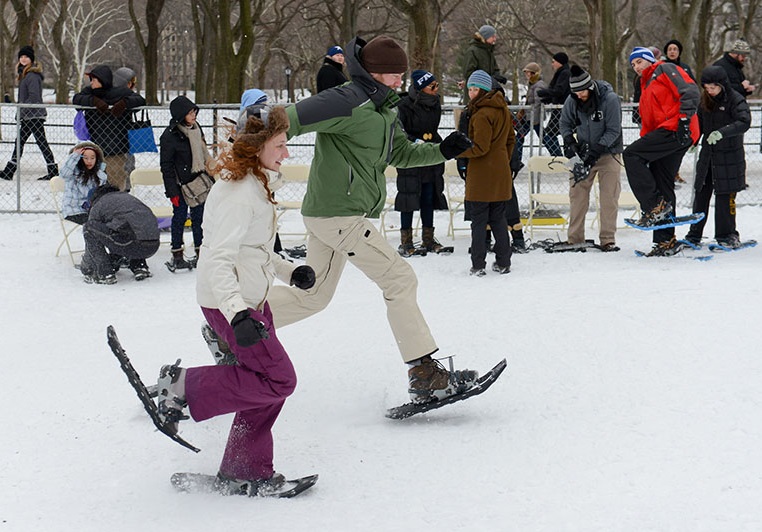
(455, 144)
(303, 277)
(500, 78)
(594, 153)
(571, 148)
(683, 133)
(100, 105)
(545, 96)
(247, 330)
(119, 107)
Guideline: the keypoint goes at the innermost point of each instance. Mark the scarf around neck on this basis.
(198, 147)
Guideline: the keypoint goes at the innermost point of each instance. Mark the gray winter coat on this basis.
(30, 91)
(123, 219)
(600, 122)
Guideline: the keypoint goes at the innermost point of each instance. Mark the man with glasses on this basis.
(732, 62)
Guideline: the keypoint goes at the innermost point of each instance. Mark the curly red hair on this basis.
(242, 158)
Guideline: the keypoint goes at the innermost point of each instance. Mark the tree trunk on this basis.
(149, 47)
(64, 54)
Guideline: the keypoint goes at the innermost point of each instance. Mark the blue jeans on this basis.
(179, 215)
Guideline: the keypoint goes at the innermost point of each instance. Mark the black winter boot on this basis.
(52, 172)
(178, 261)
(8, 172)
(518, 245)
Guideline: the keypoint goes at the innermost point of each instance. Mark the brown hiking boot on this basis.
(655, 216)
(429, 242)
(429, 380)
(665, 249)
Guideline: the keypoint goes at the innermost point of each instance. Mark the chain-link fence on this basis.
(25, 193)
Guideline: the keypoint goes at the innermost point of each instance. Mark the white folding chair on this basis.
(290, 195)
(147, 185)
(57, 185)
(557, 174)
(455, 191)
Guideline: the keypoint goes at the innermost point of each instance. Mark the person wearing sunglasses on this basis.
(420, 188)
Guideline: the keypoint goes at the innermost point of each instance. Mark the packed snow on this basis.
(631, 401)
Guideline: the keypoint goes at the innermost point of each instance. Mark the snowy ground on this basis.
(631, 401)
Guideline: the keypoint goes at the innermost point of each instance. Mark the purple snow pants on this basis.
(255, 390)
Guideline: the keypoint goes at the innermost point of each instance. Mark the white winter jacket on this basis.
(237, 264)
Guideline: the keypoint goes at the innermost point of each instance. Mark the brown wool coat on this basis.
(488, 178)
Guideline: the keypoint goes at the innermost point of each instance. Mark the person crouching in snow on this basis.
(119, 225)
(236, 270)
(83, 171)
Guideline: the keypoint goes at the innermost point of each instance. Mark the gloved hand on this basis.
(594, 153)
(175, 200)
(714, 137)
(100, 105)
(119, 108)
(571, 148)
(247, 330)
(683, 133)
(500, 78)
(455, 144)
(303, 277)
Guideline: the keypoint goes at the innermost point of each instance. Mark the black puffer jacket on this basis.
(175, 157)
(731, 117)
(106, 129)
(419, 114)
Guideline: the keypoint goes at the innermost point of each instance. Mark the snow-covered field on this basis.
(631, 401)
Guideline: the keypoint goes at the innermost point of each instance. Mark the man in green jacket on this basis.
(358, 136)
(480, 55)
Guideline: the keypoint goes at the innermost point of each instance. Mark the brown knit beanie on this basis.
(382, 55)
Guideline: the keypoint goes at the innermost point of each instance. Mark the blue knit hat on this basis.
(642, 53)
(481, 80)
(422, 78)
(333, 50)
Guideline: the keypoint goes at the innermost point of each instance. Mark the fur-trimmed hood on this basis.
(262, 124)
(90, 145)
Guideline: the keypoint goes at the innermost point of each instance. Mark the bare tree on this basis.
(75, 34)
(149, 46)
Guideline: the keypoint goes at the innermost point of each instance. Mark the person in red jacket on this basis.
(669, 126)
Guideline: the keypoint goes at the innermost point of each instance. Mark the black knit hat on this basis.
(27, 51)
(561, 57)
(382, 55)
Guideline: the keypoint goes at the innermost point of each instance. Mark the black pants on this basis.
(492, 214)
(724, 212)
(36, 127)
(651, 163)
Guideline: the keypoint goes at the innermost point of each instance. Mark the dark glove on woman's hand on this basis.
(100, 105)
(119, 108)
(500, 78)
(455, 144)
(247, 330)
(303, 277)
